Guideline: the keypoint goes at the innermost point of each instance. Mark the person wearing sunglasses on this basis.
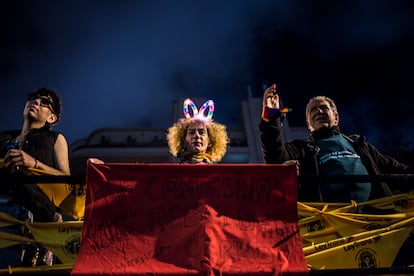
(34, 146)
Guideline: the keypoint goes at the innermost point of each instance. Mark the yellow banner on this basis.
(8, 239)
(398, 203)
(347, 224)
(56, 192)
(315, 247)
(376, 251)
(74, 203)
(62, 238)
(7, 220)
(55, 269)
(321, 222)
(68, 197)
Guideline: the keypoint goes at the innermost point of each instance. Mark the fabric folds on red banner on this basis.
(186, 219)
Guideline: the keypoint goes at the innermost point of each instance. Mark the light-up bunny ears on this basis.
(198, 114)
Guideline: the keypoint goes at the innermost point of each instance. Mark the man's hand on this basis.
(293, 163)
(57, 217)
(271, 98)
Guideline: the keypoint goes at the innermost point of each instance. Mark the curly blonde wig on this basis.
(217, 134)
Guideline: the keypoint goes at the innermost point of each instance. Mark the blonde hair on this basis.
(217, 135)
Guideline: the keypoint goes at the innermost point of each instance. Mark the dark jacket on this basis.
(276, 151)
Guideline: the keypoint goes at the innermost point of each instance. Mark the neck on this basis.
(326, 132)
(28, 125)
(190, 157)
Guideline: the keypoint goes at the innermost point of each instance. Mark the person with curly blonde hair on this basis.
(196, 138)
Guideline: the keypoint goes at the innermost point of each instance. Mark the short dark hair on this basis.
(56, 105)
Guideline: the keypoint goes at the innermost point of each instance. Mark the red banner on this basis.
(177, 219)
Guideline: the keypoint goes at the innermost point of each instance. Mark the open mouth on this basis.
(321, 119)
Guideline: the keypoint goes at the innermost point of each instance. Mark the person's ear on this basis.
(51, 119)
(336, 118)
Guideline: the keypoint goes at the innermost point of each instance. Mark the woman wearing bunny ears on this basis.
(196, 138)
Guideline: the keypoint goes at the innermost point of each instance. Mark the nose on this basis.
(319, 109)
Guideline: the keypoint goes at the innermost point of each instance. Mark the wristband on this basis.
(269, 114)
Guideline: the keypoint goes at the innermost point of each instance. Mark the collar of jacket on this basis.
(325, 132)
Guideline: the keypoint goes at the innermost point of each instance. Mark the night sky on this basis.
(122, 63)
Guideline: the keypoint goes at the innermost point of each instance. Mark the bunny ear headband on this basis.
(198, 114)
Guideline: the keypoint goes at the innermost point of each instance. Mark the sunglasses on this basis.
(44, 101)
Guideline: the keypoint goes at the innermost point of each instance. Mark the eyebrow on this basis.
(319, 104)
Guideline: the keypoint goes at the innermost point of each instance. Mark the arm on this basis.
(61, 150)
(377, 164)
(273, 145)
(17, 157)
(62, 156)
(275, 150)
(387, 164)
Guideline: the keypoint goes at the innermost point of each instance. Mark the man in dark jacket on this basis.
(326, 152)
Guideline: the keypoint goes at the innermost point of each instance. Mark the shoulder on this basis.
(61, 141)
(356, 138)
(42, 131)
(60, 136)
(45, 136)
(301, 142)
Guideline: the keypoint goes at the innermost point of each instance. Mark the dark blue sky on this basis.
(122, 63)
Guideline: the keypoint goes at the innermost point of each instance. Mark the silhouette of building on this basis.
(149, 145)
